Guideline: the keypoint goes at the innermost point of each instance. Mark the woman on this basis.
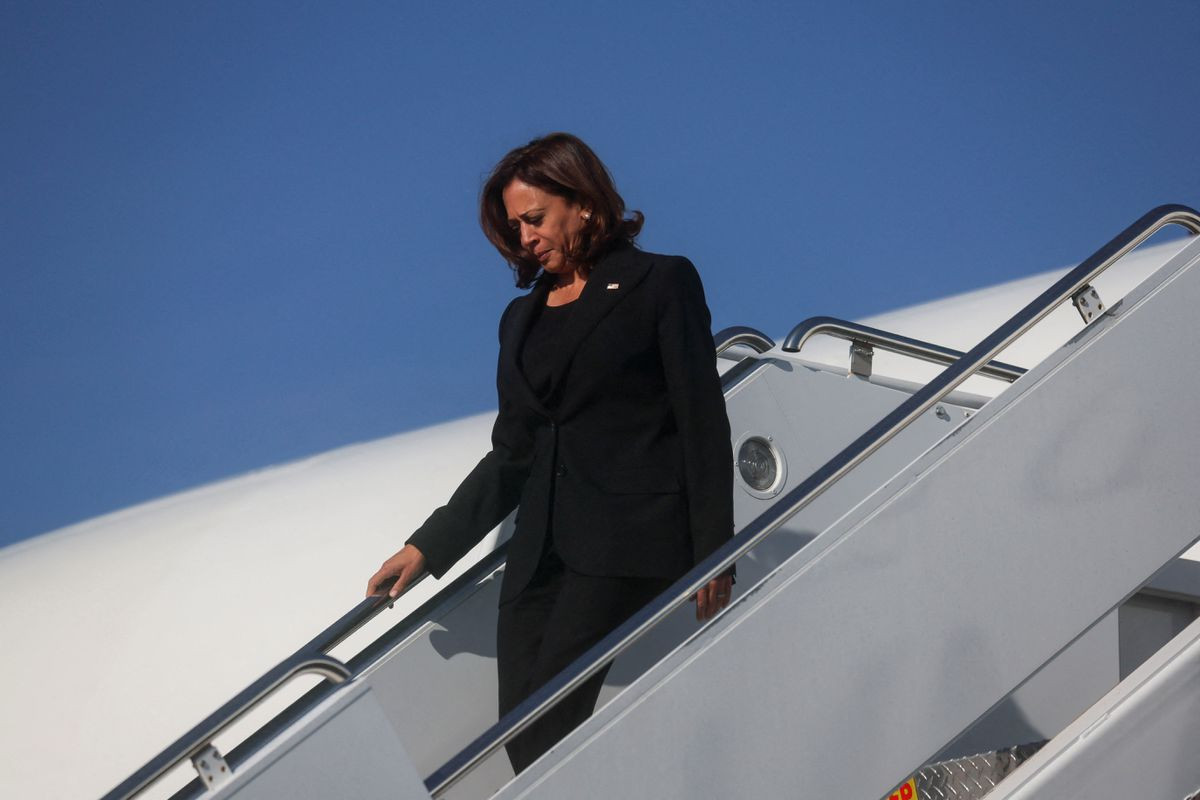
(611, 436)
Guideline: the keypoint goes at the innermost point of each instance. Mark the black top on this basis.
(541, 354)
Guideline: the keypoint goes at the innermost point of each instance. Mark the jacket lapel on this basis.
(609, 282)
(520, 319)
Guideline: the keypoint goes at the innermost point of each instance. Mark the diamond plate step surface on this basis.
(967, 778)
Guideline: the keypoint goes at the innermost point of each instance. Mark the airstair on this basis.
(942, 589)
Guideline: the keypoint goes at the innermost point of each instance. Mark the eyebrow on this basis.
(526, 214)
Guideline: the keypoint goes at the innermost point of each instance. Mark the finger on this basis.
(404, 577)
(721, 591)
(379, 579)
(700, 601)
(373, 583)
(710, 601)
(401, 581)
(718, 590)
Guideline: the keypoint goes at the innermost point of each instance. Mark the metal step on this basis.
(967, 778)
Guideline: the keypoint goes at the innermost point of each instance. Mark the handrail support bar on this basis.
(212, 768)
(861, 356)
(1088, 303)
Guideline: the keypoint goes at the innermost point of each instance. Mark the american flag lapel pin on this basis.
(614, 286)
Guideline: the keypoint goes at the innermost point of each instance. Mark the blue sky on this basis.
(235, 234)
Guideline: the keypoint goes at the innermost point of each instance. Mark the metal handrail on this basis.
(797, 498)
(743, 335)
(367, 609)
(855, 333)
(311, 658)
(199, 737)
(238, 756)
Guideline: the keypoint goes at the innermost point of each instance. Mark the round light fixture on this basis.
(759, 466)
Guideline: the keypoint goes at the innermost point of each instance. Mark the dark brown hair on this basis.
(560, 164)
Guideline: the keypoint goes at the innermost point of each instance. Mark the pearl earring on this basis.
(587, 215)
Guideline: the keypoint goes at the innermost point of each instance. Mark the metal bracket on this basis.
(211, 767)
(1088, 303)
(861, 354)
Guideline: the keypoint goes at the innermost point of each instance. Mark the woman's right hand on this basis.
(404, 566)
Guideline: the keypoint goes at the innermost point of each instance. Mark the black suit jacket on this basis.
(629, 462)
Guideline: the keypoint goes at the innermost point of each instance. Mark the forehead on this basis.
(520, 198)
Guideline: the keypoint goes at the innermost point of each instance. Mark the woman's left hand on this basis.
(713, 597)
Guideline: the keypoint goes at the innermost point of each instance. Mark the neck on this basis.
(567, 279)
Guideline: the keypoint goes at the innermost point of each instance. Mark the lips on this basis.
(542, 256)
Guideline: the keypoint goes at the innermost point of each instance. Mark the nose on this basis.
(528, 237)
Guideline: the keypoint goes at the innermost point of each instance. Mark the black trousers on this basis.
(554, 620)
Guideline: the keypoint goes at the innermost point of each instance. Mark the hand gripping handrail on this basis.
(797, 498)
(858, 334)
(743, 335)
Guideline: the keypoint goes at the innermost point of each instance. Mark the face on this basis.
(548, 225)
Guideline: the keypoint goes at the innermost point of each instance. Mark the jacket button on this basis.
(553, 425)
(562, 470)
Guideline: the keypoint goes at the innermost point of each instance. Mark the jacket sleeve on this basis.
(689, 363)
(485, 497)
